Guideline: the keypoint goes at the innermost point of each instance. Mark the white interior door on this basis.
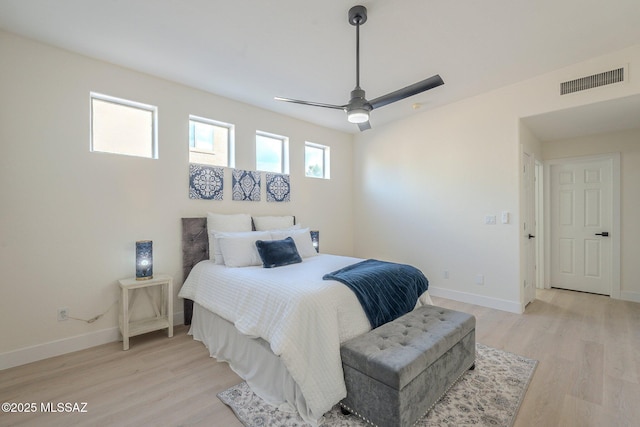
(581, 215)
(529, 226)
(541, 283)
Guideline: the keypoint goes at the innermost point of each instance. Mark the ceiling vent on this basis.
(589, 82)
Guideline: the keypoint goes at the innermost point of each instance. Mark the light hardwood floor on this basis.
(588, 348)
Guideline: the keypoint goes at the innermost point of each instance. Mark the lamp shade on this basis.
(144, 260)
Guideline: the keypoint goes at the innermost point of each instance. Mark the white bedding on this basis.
(303, 317)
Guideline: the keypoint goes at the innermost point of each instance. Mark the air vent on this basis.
(589, 82)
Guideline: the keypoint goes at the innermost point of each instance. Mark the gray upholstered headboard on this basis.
(195, 248)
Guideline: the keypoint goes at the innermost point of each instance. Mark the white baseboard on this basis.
(56, 348)
(630, 296)
(497, 303)
(66, 345)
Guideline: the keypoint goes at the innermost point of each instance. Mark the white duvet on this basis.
(303, 317)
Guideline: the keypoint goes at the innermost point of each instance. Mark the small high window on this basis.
(272, 153)
(211, 142)
(125, 127)
(316, 160)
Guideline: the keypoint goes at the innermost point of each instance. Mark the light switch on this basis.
(490, 219)
(505, 217)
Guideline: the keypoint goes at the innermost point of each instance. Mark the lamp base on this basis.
(144, 278)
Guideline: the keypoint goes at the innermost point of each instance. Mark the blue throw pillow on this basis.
(276, 253)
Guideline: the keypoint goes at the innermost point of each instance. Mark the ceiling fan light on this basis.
(358, 115)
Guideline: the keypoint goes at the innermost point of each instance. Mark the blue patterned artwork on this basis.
(278, 188)
(205, 182)
(246, 185)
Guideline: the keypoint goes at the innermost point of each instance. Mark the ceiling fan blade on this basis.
(364, 126)
(313, 104)
(406, 92)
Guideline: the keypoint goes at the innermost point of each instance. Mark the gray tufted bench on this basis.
(395, 373)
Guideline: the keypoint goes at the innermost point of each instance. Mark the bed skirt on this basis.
(253, 360)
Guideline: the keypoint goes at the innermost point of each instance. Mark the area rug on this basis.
(490, 395)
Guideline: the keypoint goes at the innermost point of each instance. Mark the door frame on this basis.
(529, 225)
(614, 158)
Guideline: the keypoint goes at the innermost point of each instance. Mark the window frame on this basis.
(284, 148)
(326, 160)
(126, 103)
(231, 128)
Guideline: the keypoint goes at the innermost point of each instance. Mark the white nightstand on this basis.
(163, 309)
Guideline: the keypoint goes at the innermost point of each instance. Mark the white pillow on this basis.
(302, 239)
(216, 236)
(263, 223)
(222, 222)
(239, 249)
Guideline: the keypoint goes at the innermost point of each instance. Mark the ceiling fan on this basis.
(359, 107)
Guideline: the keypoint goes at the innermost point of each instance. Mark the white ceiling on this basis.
(602, 117)
(253, 50)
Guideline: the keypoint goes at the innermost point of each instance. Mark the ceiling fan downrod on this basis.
(357, 17)
(358, 108)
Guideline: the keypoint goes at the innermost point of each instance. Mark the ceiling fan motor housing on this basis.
(358, 107)
(358, 101)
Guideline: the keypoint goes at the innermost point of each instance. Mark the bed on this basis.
(280, 329)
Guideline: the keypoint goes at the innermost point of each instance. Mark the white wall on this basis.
(69, 218)
(627, 143)
(424, 185)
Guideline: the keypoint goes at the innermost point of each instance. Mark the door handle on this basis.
(603, 234)
(531, 236)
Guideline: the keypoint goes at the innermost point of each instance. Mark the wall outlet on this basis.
(479, 280)
(63, 314)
